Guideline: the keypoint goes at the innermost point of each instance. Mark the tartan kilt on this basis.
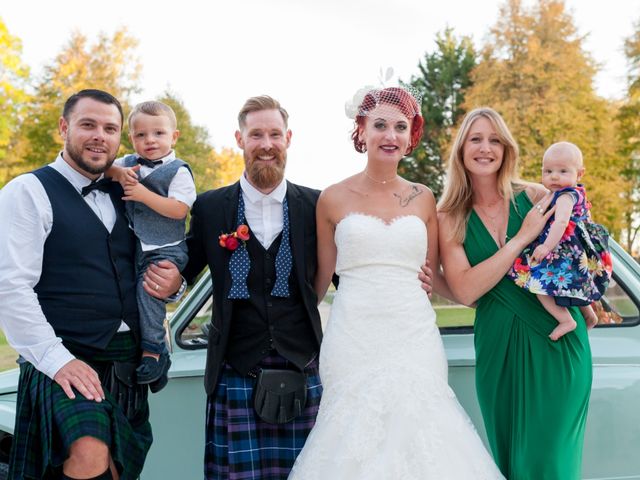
(239, 445)
(48, 422)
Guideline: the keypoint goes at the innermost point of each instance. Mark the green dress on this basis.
(533, 392)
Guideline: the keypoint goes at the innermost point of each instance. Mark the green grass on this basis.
(7, 355)
(457, 316)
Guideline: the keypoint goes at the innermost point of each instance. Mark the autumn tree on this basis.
(230, 164)
(629, 133)
(444, 77)
(535, 72)
(193, 145)
(14, 75)
(108, 64)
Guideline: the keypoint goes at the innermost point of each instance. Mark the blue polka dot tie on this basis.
(240, 263)
(283, 258)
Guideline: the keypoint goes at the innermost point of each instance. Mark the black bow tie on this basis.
(149, 163)
(102, 185)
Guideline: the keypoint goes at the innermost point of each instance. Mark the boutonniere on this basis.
(232, 240)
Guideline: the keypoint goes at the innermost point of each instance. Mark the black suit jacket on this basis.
(214, 213)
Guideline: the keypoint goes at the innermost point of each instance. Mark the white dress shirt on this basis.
(263, 212)
(26, 218)
(182, 188)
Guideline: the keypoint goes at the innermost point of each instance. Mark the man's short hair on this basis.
(257, 104)
(97, 95)
(155, 109)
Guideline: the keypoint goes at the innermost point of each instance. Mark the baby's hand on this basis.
(136, 192)
(541, 252)
(126, 176)
(130, 176)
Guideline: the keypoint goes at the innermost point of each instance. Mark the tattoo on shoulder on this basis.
(413, 193)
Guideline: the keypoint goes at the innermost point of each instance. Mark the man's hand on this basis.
(426, 277)
(162, 280)
(77, 374)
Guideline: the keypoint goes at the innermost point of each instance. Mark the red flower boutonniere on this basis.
(232, 240)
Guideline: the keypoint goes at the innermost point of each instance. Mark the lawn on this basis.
(7, 355)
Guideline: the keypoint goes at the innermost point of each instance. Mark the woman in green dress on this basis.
(533, 392)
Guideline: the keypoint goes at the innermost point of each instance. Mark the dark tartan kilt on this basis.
(239, 445)
(48, 422)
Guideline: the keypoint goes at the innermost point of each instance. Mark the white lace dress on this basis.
(387, 411)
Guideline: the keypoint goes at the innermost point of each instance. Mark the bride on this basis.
(387, 411)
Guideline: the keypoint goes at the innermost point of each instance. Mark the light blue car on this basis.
(612, 442)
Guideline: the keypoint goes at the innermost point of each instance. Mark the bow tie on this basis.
(102, 185)
(148, 163)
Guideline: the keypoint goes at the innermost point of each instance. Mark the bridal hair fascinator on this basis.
(405, 98)
(367, 98)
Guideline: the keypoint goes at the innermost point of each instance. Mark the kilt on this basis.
(48, 422)
(239, 445)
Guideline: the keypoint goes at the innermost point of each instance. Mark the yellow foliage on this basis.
(535, 72)
(230, 166)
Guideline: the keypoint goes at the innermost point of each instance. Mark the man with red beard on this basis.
(261, 375)
(67, 290)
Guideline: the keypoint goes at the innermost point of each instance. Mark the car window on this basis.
(616, 308)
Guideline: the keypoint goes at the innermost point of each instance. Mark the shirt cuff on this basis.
(178, 295)
(54, 361)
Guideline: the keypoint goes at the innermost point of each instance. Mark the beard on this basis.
(266, 175)
(76, 157)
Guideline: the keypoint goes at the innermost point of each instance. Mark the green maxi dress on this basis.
(533, 392)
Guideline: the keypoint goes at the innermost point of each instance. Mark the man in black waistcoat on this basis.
(67, 287)
(265, 312)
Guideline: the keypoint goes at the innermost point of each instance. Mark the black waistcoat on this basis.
(264, 322)
(87, 286)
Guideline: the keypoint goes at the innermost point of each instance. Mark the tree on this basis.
(444, 77)
(110, 64)
(629, 134)
(14, 75)
(230, 165)
(193, 145)
(534, 71)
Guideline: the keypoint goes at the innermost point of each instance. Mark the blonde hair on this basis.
(257, 104)
(457, 198)
(155, 109)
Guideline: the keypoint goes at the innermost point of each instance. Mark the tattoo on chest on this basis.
(404, 201)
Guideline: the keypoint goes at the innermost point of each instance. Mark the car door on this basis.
(613, 426)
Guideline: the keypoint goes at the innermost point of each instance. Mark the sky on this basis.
(310, 55)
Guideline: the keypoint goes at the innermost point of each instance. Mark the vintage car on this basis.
(613, 429)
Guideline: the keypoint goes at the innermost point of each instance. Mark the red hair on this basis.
(397, 97)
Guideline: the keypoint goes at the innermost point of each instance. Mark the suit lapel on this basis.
(230, 208)
(297, 220)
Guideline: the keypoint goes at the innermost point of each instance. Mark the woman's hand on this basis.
(535, 221)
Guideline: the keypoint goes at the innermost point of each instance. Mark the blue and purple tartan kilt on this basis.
(48, 422)
(239, 445)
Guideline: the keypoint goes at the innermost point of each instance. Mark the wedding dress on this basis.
(387, 411)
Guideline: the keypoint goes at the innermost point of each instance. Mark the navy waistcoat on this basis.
(264, 322)
(87, 286)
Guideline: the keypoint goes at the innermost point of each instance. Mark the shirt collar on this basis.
(253, 195)
(74, 177)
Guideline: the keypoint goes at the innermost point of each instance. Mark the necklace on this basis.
(381, 182)
(490, 205)
(486, 214)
